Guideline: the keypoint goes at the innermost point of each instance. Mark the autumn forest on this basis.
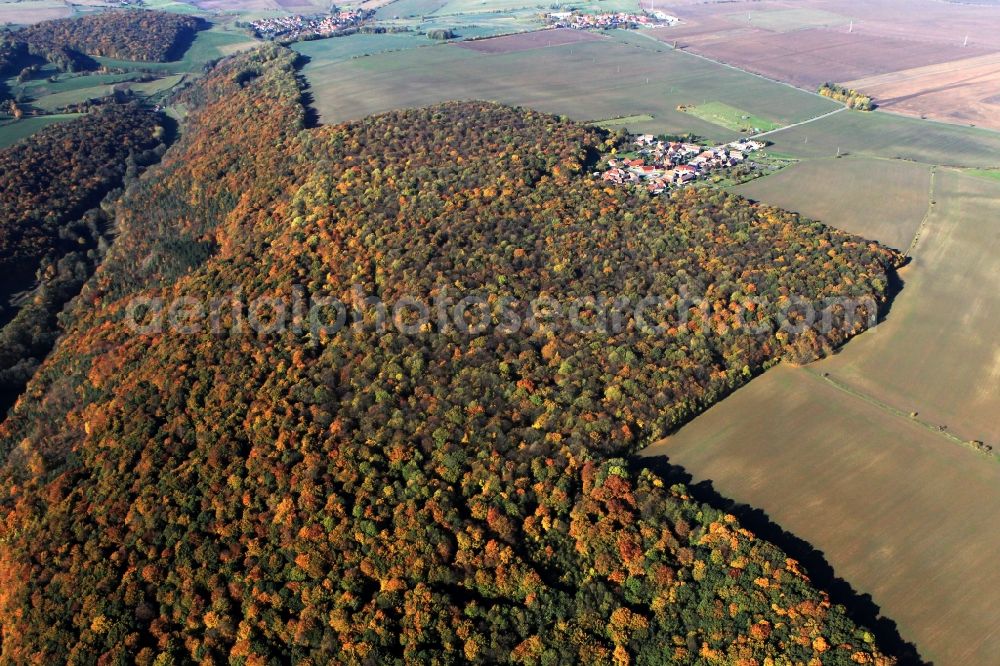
(373, 496)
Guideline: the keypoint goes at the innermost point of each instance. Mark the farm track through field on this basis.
(923, 223)
(799, 124)
(889, 409)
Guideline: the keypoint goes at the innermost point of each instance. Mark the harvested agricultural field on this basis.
(936, 23)
(887, 201)
(886, 135)
(961, 91)
(293, 6)
(808, 58)
(786, 20)
(937, 353)
(869, 455)
(897, 510)
(586, 81)
(530, 40)
(930, 21)
(918, 57)
(33, 11)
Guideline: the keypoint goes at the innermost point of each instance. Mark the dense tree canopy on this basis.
(55, 189)
(850, 97)
(12, 51)
(124, 35)
(367, 496)
(52, 177)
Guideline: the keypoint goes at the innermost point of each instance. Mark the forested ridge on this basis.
(11, 52)
(124, 35)
(373, 496)
(56, 193)
(53, 176)
(143, 35)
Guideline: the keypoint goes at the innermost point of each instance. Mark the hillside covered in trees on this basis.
(53, 176)
(418, 493)
(124, 35)
(68, 43)
(55, 191)
(11, 52)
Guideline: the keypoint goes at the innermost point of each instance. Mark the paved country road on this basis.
(804, 122)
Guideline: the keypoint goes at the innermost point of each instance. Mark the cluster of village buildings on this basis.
(293, 28)
(664, 164)
(609, 21)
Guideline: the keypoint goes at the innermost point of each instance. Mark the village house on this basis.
(672, 163)
(609, 21)
(293, 28)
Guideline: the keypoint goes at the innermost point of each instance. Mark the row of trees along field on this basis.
(850, 97)
(55, 193)
(377, 497)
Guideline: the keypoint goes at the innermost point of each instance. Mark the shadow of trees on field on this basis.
(185, 39)
(306, 97)
(860, 606)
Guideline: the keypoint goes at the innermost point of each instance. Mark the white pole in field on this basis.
(966, 42)
(851, 29)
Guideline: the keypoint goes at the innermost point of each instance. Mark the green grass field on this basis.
(210, 44)
(70, 89)
(150, 88)
(993, 174)
(452, 7)
(60, 100)
(899, 511)
(173, 6)
(486, 24)
(603, 6)
(67, 82)
(887, 135)
(587, 81)
(13, 131)
(730, 117)
(624, 121)
(322, 52)
(409, 8)
(888, 198)
(467, 10)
